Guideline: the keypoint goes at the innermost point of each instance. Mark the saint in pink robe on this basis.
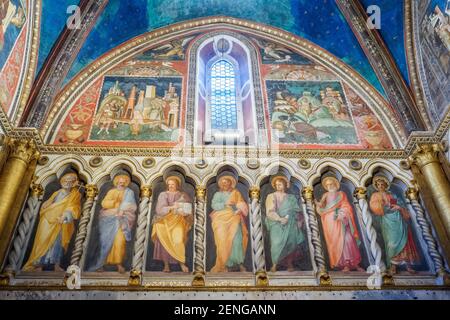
(341, 234)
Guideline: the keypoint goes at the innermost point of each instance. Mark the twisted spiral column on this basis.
(31, 210)
(259, 261)
(413, 196)
(308, 196)
(199, 236)
(375, 249)
(141, 233)
(379, 269)
(91, 193)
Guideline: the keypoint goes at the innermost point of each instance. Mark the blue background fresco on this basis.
(319, 21)
(53, 20)
(392, 30)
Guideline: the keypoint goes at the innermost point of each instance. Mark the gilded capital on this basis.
(36, 190)
(360, 193)
(255, 192)
(23, 149)
(308, 193)
(146, 192)
(91, 191)
(425, 154)
(412, 194)
(200, 192)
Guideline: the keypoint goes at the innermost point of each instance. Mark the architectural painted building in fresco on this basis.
(198, 146)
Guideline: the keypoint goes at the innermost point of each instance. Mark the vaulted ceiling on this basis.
(320, 21)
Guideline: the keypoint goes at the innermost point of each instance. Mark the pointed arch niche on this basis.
(226, 84)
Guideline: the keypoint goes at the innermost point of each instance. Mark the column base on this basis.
(324, 279)
(135, 279)
(199, 279)
(5, 279)
(443, 279)
(261, 279)
(388, 280)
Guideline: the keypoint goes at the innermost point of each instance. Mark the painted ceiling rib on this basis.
(383, 64)
(58, 63)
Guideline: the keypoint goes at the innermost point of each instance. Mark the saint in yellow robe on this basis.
(50, 227)
(230, 230)
(170, 228)
(115, 231)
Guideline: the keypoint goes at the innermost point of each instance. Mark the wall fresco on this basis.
(435, 45)
(142, 101)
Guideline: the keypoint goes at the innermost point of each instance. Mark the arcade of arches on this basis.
(222, 154)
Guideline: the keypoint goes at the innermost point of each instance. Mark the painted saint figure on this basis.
(56, 225)
(283, 222)
(339, 227)
(171, 225)
(391, 215)
(228, 224)
(116, 220)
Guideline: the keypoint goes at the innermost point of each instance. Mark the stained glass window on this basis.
(223, 96)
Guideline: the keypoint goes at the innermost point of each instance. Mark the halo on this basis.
(331, 178)
(228, 176)
(280, 177)
(122, 174)
(174, 177)
(382, 178)
(67, 175)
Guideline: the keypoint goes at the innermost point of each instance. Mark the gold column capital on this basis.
(146, 191)
(4, 140)
(91, 191)
(36, 189)
(308, 193)
(412, 193)
(255, 193)
(200, 192)
(360, 193)
(23, 149)
(425, 154)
